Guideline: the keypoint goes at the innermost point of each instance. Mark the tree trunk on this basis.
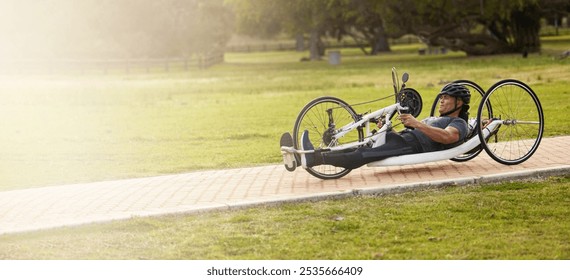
(300, 42)
(526, 27)
(380, 43)
(315, 45)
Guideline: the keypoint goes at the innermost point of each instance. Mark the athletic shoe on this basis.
(288, 158)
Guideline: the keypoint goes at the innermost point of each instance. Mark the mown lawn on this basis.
(63, 129)
(59, 129)
(516, 220)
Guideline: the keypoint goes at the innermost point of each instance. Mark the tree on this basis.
(362, 20)
(267, 18)
(476, 27)
(554, 11)
(358, 19)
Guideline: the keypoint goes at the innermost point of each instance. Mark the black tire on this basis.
(519, 136)
(315, 118)
(475, 99)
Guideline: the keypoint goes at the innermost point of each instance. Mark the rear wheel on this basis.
(522, 126)
(322, 117)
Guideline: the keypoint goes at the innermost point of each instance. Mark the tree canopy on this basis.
(476, 27)
(177, 28)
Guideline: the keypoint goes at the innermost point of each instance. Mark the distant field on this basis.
(66, 129)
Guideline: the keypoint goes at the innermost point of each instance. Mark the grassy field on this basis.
(520, 220)
(64, 129)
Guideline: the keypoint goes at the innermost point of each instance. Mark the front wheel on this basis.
(321, 117)
(518, 107)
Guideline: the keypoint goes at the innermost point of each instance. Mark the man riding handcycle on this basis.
(510, 135)
(431, 134)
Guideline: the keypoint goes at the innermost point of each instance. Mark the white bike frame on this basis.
(439, 155)
(379, 139)
(376, 140)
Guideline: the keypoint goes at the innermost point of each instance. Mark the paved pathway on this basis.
(49, 207)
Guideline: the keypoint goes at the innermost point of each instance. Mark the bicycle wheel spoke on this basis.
(315, 118)
(519, 136)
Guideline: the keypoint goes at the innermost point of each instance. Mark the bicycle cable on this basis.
(372, 101)
(363, 103)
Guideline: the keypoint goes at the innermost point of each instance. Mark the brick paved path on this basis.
(48, 207)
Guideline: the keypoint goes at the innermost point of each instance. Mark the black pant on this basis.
(395, 145)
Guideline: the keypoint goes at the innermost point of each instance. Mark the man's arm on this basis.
(448, 135)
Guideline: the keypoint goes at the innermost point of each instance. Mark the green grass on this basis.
(64, 129)
(516, 220)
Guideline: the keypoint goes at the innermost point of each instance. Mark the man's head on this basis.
(454, 99)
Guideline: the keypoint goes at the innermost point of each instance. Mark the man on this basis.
(431, 134)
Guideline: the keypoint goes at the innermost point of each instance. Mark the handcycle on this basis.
(509, 125)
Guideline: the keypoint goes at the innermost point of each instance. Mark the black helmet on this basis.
(458, 91)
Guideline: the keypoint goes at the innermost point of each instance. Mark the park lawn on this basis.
(512, 220)
(60, 129)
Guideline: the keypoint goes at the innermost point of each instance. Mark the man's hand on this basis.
(448, 135)
(409, 121)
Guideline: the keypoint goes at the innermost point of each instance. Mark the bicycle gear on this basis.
(409, 97)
